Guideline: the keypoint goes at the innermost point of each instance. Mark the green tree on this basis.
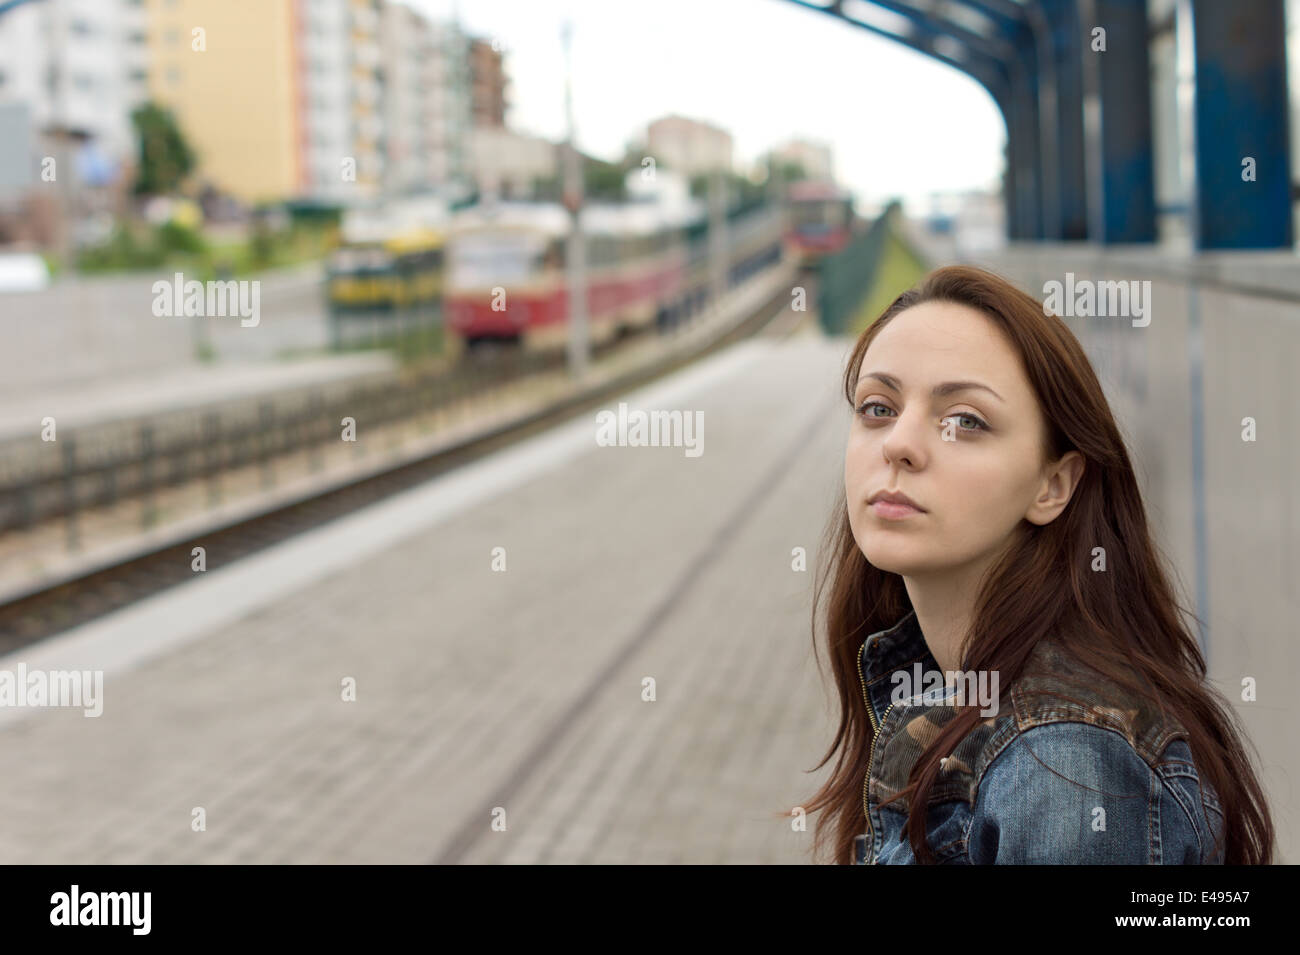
(603, 180)
(165, 158)
(742, 192)
(790, 171)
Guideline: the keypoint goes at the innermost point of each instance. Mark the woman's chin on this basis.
(892, 560)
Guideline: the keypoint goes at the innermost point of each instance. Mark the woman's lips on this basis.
(889, 511)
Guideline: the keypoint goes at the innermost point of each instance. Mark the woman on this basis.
(1015, 680)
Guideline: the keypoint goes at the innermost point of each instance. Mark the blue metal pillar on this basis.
(1128, 175)
(1241, 115)
(1011, 199)
(8, 5)
(1066, 46)
(1029, 175)
(1022, 185)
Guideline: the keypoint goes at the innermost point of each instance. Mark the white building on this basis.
(339, 73)
(405, 42)
(448, 109)
(689, 146)
(427, 103)
(815, 158)
(506, 162)
(77, 65)
(366, 62)
(324, 39)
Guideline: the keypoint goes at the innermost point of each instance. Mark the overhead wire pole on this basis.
(577, 250)
(718, 202)
(62, 138)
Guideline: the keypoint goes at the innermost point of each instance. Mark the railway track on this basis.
(46, 612)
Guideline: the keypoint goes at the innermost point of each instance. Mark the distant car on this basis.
(23, 272)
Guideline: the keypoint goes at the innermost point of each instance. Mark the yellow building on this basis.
(228, 71)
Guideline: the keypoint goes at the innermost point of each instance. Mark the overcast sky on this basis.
(898, 122)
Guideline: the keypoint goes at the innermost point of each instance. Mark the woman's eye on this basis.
(866, 407)
(977, 424)
(965, 421)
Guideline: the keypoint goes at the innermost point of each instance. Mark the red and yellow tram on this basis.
(506, 278)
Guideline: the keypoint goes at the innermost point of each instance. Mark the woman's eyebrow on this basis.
(938, 391)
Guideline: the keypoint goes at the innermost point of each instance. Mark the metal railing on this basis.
(135, 460)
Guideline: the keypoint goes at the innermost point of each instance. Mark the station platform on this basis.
(480, 693)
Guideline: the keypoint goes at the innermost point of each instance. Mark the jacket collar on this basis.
(888, 650)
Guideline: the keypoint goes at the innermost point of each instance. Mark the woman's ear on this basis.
(1059, 481)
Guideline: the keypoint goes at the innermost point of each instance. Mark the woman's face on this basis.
(970, 457)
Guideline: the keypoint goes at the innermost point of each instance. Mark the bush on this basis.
(122, 251)
(261, 246)
(174, 237)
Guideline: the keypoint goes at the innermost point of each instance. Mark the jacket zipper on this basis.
(871, 754)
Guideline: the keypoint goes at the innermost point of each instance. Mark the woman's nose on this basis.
(905, 442)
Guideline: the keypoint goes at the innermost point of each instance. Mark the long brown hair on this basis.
(1125, 623)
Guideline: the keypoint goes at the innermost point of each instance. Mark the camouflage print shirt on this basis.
(1072, 770)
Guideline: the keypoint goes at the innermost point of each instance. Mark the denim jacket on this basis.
(1073, 771)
